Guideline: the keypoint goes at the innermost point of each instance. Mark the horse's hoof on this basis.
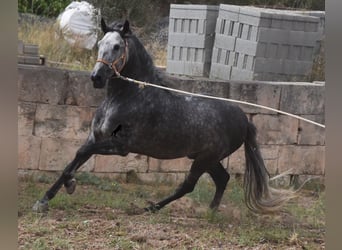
(70, 186)
(40, 206)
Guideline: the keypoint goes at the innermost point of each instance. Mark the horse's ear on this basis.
(104, 26)
(125, 28)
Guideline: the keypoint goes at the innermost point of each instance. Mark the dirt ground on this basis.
(92, 218)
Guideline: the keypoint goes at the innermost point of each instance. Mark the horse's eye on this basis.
(116, 47)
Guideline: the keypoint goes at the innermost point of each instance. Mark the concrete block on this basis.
(220, 71)
(276, 129)
(20, 47)
(32, 60)
(26, 114)
(226, 42)
(175, 165)
(268, 65)
(63, 121)
(41, 84)
(261, 49)
(120, 164)
(302, 159)
(294, 67)
(271, 50)
(246, 47)
(192, 11)
(28, 152)
(310, 134)
(310, 97)
(56, 153)
(30, 49)
(187, 40)
(307, 53)
(241, 74)
(258, 93)
(229, 12)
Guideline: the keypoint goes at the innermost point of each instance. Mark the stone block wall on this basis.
(55, 108)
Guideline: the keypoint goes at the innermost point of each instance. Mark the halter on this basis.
(112, 65)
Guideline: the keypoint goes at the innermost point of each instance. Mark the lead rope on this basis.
(143, 84)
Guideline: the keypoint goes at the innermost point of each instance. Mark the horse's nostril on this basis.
(94, 77)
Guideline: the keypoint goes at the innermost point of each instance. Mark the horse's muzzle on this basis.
(98, 82)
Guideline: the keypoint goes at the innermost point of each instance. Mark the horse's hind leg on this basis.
(220, 178)
(198, 167)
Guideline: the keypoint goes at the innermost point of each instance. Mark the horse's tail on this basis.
(259, 196)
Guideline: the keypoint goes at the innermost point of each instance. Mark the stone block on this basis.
(57, 153)
(276, 129)
(257, 93)
(120, 164)
(41, 84)
(63, 121)
(155, 177)
(175, 165)
(26, 114)
(237, 162)
(310, 96)
(270, 155)
(79, 91)
(308, 160)
(310, 134)
(28, 152)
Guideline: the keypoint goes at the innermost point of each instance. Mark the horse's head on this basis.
(112, 52)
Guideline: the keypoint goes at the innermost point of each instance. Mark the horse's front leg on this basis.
(108, 146)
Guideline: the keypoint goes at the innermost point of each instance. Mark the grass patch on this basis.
(96, 218)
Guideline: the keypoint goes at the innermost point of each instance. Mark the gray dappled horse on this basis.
(165, 125)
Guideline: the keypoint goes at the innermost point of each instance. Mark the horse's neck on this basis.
(120, 89)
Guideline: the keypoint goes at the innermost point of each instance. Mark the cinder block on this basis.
(226, 42)
(30, 49)
(56, 153)
(302, 159)
(120, 164)
(241, 74)
(28, 152)
(229, 12)
(276, 129)
(220, 71)
(191, 38)
(63, 121)
(246, 47)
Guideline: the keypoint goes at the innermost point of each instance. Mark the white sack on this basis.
(78, 24)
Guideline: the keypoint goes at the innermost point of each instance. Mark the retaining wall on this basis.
(55, 108)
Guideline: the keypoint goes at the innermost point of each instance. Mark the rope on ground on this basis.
(143, 84)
